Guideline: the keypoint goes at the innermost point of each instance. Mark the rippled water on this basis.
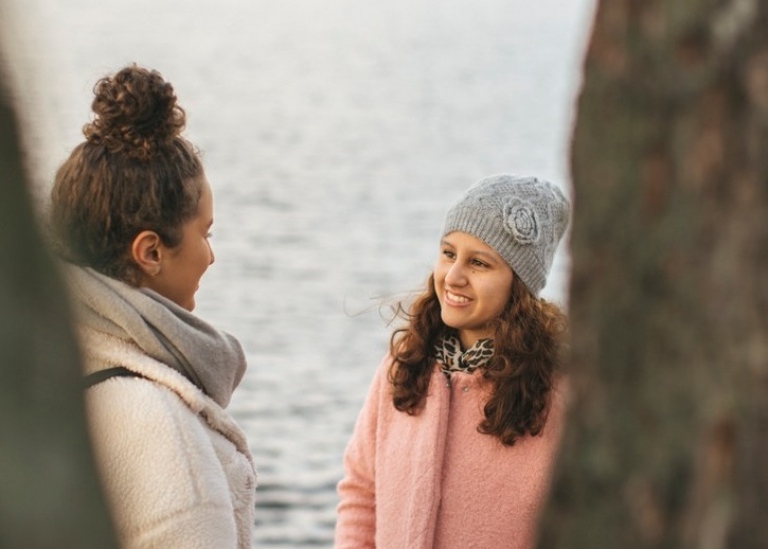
(334, 135)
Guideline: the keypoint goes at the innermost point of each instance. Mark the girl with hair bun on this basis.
(456, 441)
(131, 212)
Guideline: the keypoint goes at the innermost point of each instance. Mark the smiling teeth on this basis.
(457, 298)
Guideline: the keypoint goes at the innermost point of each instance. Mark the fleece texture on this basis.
(432, 481)
(176, 468)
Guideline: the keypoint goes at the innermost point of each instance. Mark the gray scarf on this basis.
(213, 360)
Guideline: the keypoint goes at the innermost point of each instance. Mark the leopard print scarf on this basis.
(447, 351)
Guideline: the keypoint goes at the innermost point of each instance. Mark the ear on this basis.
(147, 251)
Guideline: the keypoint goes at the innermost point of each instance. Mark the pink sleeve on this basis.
(356, 513)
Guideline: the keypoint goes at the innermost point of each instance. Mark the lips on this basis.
(456, 299)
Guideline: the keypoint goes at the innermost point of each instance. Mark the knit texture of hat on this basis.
(522, 218)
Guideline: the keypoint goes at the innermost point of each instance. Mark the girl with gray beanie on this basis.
(455, 444)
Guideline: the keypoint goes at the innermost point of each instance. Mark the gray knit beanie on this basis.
(522, 218)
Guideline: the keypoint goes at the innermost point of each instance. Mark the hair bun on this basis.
(136, 113)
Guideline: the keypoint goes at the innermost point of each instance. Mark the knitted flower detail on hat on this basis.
(521, 220)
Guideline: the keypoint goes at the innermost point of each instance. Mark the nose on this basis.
(456, 276)
(213, 256)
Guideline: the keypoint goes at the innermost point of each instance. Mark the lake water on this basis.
(334, 133)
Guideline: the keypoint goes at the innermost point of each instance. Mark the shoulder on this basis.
(383, 376)
(157, 391)
(139, 406)
(103, 351)
(135, 419)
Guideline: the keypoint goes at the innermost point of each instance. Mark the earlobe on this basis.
(147, 252)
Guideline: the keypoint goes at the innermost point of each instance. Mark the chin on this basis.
(451, 323)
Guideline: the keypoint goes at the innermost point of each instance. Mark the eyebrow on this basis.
(472, 251)
(487, 255)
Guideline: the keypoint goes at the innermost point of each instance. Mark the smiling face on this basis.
(182, 267)
(473, 284)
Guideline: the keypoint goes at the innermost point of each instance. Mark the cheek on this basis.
(439, 286)
(438, 272)
(498, 296)
(503, 299)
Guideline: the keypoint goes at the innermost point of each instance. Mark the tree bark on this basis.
(49, 492)
(668, 426)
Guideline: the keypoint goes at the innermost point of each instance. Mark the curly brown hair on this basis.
(526, 358)
(134, 172)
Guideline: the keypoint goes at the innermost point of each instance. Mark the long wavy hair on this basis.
(526, 358)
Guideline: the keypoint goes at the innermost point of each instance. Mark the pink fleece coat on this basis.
(432, 481)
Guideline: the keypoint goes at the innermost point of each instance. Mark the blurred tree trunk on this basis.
(668, 434)
(49, 493)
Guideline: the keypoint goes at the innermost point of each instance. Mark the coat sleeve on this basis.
(165, 485)
(356, 513)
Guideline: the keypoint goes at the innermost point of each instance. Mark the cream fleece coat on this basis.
(176, 468)
(431, 481)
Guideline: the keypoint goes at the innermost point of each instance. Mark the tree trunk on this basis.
(49, 493)
(668, 428)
